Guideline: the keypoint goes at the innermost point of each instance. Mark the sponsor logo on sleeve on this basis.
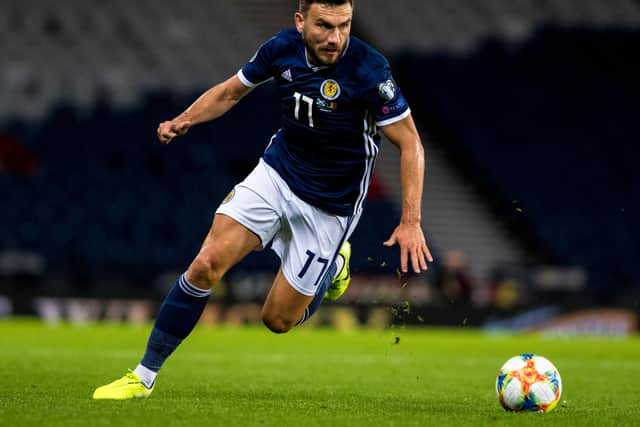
(389, 109)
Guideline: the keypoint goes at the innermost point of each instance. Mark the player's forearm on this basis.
(404, 135)
(412, 176)
(210, 105)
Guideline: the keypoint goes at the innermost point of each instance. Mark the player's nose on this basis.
(334, 36)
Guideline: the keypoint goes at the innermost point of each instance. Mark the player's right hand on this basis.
(172, 128)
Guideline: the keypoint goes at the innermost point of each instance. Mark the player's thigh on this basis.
(284, 305)
(230, 240)
(255, 204)
(245, 221)
(226, 244)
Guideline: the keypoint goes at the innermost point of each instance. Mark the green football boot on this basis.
(128, 387)
(341, 282)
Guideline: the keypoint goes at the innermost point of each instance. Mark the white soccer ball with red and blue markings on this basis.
(528, 383)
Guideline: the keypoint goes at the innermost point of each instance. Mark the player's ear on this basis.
(298, 18)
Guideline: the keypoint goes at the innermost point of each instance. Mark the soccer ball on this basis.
(528, 383)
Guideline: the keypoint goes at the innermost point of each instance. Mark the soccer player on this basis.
(307, 192)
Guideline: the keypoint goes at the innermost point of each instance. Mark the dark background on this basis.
(543, 130)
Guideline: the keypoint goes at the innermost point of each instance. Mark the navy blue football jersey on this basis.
(328, 142)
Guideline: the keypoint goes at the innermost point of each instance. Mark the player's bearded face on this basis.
(325, 30)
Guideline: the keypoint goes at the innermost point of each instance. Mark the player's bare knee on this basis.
(277, 324)
(204, 271)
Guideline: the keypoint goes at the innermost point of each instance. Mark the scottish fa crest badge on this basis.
(330, 89)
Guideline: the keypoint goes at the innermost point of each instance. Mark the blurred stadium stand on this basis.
(80, 51)
(536, 104)
(557, 138)
(459, 26)
(528, 110)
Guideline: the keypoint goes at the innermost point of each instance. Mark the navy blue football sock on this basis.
(177, 317)
(317, 300)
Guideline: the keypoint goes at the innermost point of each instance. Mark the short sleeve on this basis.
(260, 67)
(384, 98)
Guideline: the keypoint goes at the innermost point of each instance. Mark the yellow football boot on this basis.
(128, 387)
(341, 282)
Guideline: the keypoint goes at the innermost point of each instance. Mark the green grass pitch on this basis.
(309, 377)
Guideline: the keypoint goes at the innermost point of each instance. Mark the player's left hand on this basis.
(413, 247)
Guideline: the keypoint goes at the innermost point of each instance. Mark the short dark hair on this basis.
(306, 4)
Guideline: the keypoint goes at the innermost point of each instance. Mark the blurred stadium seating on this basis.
(529, 111)
(458, 26)
(552, 124)
(84, 51)
(107, 198)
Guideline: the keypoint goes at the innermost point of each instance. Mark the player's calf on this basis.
(284, 306)
(176, 318)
